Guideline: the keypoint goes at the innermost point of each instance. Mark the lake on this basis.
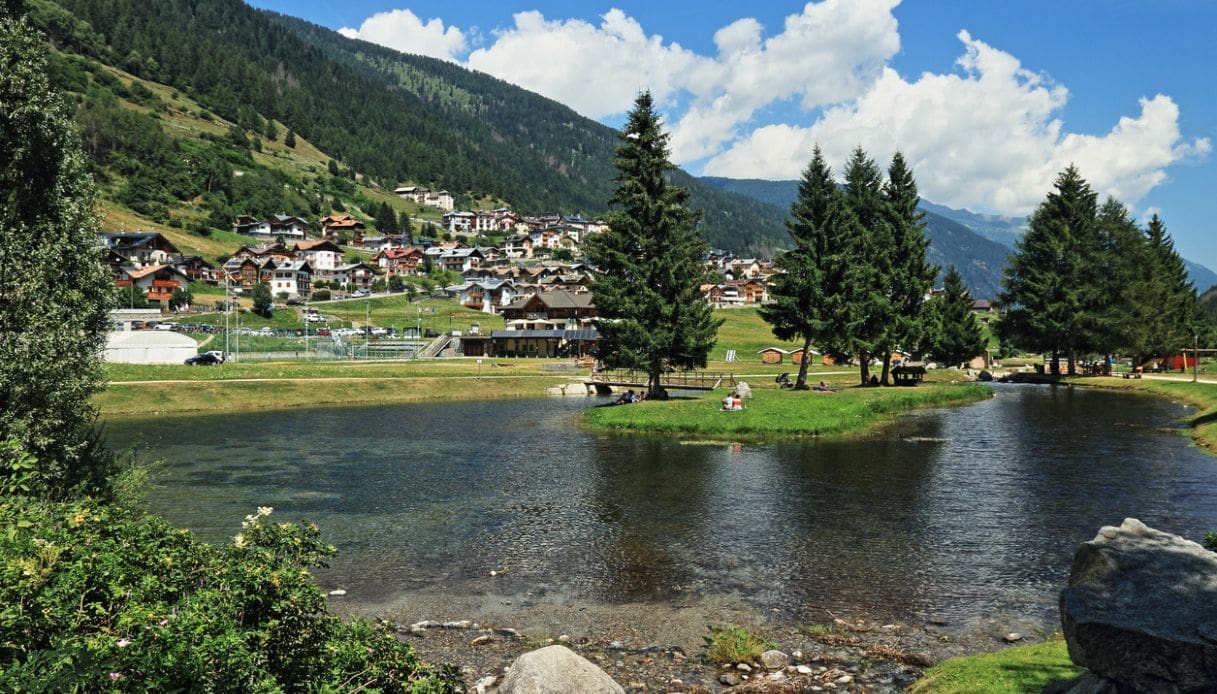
(961, 512)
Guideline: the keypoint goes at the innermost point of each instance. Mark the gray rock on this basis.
(481, 640)
(744, 390)
(616, 646)
(729, 678)
(508, 631)
(744, 667)
(555, 670)
(1138, 604)
(462, 624)
(774, 660)
(1012, 637)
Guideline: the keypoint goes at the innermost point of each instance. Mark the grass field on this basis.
(773, 413)
(1015, 670)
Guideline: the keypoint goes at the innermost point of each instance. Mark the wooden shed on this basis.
(773, 355)
(797, 355)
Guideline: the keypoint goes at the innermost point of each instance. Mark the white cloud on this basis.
(595, 69)
(404, 31)
(988, 138)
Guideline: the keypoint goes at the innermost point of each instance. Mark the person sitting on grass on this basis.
(733, 403)
(626, 398)
(824, 388)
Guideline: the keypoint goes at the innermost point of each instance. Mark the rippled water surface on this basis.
(961, 512)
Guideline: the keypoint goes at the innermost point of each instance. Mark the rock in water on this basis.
(555, 670)
(774, 660)
(1141, 610)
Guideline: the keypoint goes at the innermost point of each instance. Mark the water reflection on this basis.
(960, 511)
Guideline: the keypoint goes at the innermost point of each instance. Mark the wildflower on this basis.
(164, 622)
(116, 676)
(239, 540)
(123, 643)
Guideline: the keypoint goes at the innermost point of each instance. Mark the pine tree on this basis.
(1042, 291)
(1172, 312)
(386, 219)
(798, 290)
(50, 340)
(908, 274)
(956, 337)
(289, 140)
(271, 131)
(263, 301)
(652, 313)
(870, 260)
(1118, 315)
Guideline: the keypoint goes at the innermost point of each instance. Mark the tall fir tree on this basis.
(1041, 292)
(871, 260)
(386, 219)
(1173, 314)
(50, 341)
(1118, 314)
(650, 262)
(908, 274)
(956, 335)
(289, 140)
(798, 291)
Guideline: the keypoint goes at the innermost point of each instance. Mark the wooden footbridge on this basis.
(677, 380)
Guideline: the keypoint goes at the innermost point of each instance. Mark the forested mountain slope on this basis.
(389, 117)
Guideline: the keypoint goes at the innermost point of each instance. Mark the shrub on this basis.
(734, 644)
(1210, 541)
(321, 295)
(97, 597)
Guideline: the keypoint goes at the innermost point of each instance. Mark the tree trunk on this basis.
(800, 383)
(864, 363)
(1056, 363)
(887, 367)
(1073, 363)
(655, 389)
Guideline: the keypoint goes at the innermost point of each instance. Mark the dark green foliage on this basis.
(289, 140)
(870, 261)
(181, 298)
(271, 131)
(907, 274)
(396, 283)
(54, 292)
(952, 329)
(97, 597)
(1171, 310)
(386, 219)
(321, 295)
(1210, 541)
(1042, 296)
(801, 291)
(263, 302)
(650, 262)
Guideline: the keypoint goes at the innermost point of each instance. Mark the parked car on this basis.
(360, 293)
(218, 354)
(204, 359)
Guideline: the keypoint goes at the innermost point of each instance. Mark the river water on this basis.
(960, 512)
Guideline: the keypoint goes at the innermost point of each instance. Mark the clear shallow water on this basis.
(961, 512)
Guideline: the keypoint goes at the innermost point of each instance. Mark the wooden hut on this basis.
(797, 355)
(773, 355)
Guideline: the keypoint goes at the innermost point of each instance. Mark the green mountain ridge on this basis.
(390, 117)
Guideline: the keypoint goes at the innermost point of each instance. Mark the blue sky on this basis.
(987, 99)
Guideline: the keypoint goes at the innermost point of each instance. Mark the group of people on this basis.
(628, 397)
(733, 402)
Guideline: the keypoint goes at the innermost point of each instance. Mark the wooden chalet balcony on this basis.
(166, 284)
(154, 295)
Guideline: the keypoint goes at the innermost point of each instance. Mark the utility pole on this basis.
(227, 312)
(1195, 355)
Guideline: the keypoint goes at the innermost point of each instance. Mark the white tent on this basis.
(149, 347)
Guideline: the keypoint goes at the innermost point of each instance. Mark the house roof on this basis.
(317, 246)
(136, 273)
(132, 240)
(294, 266)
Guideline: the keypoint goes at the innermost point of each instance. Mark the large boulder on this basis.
(1141, 610)
(555, 670)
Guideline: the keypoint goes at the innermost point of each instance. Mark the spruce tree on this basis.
(1172, 312)
(1118, 314)
(1042, 292)
(957, 336)
(54, 291)
(263, 301)
(386, 219)
(908, 274)
(289, 140)
(650, 263)
(798, 291)
(871, 260)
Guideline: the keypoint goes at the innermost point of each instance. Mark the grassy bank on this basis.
(1203, 396)
(1012, 670)
(773, 413)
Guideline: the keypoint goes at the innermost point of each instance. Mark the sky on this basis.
(988, 100)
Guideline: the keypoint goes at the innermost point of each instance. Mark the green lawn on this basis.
(779, 413)
(1016, 670)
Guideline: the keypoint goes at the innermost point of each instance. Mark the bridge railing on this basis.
(692, 380)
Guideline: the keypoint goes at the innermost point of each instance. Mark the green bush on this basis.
(321, 295)
(734, 644)
(99, 597)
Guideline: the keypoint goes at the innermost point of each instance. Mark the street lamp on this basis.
(1195, 355)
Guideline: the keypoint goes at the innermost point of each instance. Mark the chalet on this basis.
(422, 196)
(322, 256)
(982, 306)
(355, 275)
(558, 308)
(141, 249)
(460, 222)
(750, 291)
(197, 269)
(336, 226)
(156, 282)
(380, 243)
(518, 246)
(292, 277)
(263, 251)
(460, 259)
(487, 295)
(288, 227)
(495, 221)
(249, 271)
(399, 261)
